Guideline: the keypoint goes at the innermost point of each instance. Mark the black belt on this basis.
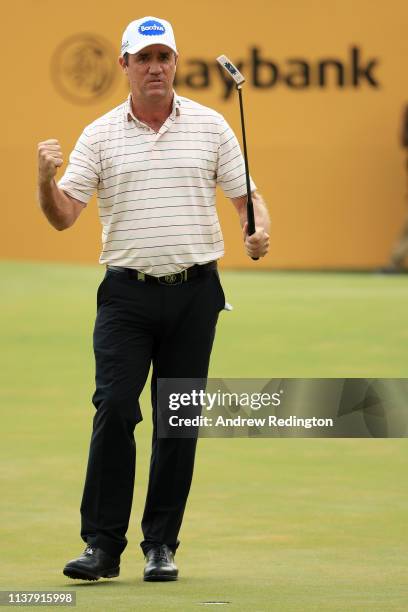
(168, 279)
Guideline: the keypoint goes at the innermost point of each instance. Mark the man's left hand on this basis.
(256, 245)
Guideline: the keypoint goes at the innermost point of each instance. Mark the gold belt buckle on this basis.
(173, 279)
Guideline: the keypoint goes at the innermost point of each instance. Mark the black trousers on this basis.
(137, 324)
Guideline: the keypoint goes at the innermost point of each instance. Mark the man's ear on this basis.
(123, 64)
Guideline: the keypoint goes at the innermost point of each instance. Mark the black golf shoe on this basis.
(160, 564)
(93, 564)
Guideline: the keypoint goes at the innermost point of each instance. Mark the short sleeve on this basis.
(81, 176)
(231, 165)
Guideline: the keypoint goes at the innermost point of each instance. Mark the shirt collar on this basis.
(175, 110)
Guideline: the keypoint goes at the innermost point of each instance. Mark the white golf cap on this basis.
(147, 31)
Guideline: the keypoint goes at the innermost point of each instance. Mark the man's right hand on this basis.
(49, 159)
(61, 209)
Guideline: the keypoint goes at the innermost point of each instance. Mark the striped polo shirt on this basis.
(156, 190)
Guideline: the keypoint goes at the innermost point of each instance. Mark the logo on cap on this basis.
(151, 28)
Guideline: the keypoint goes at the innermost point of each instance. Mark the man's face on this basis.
(151, 72)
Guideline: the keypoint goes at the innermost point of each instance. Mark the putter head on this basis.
(231, 69)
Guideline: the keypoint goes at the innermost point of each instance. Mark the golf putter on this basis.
(239, 81)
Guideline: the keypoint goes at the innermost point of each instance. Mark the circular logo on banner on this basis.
(152, 28)
(83, 68)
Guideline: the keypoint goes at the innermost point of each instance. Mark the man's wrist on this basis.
(46, 182)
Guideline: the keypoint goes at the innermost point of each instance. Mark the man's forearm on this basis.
(56, 205)
(261, 212)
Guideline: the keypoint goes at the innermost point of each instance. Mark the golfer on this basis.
(155, 161)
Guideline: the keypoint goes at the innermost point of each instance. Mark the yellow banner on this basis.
(326, 87)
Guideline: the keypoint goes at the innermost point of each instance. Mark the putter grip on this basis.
(251, 221)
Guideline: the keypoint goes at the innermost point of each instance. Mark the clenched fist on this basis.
(49, 159)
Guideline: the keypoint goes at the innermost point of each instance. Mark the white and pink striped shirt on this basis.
(156, 190)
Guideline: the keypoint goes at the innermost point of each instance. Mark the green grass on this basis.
(279, 524)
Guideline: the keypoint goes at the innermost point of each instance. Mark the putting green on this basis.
(280, 524)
